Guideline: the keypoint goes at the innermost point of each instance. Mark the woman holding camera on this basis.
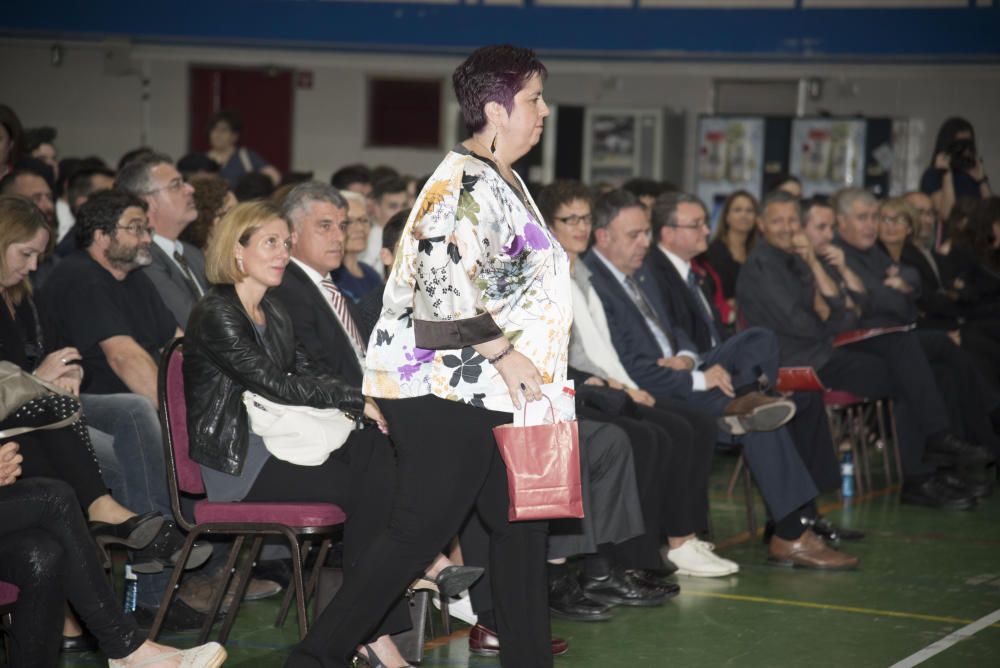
(956, 171)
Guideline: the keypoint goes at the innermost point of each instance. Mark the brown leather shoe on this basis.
(484, 641)
(809, 551)
(197, 591)
(755, 411)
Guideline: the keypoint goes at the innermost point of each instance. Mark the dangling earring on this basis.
(239, 264)
(493, 146)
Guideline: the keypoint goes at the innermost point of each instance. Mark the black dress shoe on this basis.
(566, 600)
(653, 581)
(165, 550)
(951, 450)
(933, 492)
(81, 643)
(135, 533)
(829, 531)
(180, 617)
(618, 589)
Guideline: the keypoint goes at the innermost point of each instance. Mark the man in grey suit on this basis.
(178, 268)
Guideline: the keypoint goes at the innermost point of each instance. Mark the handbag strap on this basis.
(17, 431)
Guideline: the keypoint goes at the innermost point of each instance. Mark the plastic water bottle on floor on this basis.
(847, 476)
(131, 590)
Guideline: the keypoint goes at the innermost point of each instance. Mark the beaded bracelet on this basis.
(500, 355)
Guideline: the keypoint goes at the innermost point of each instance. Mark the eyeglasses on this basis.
(574, 220)
(137, 230)
(175, 185)
(898, 219)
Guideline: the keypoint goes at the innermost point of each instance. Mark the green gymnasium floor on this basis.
(925, 574)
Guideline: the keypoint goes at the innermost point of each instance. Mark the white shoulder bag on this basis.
(297, 434)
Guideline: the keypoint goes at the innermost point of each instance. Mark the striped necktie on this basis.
(343, 314)
(188, 275)
(703, 307)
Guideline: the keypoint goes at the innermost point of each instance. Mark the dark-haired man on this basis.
(176, 268)
(389, 196)
(795, 290)
(96, 301)
(30, 184)
(725, 381)
(84, 181)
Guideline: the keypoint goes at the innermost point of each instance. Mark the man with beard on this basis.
(111, 313)
(176, 268)
(96, 302)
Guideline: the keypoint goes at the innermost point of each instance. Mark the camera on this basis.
(962, 155)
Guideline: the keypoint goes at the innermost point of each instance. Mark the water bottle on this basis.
(847, 476)
(131, 590)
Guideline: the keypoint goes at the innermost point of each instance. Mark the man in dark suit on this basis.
(323, 324)
(680, 233)
(178, 268)
(662, 360)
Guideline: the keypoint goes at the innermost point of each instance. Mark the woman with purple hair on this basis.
(476, 317)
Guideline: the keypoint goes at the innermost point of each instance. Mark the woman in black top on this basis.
(956, 169)
(734, 237)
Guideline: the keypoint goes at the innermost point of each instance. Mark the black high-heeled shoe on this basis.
(452, 580)
(372, 659)
(134, 533)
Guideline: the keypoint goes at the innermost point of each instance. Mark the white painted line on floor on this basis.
(939, 646)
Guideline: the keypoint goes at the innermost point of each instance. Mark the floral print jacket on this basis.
(475, 261)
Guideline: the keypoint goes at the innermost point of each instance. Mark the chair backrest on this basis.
(798, 379)
(8, 594)
(183, 472)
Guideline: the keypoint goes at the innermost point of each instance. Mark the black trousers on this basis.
(448, 464)
(810, 430)
(360, 478)
(46, 550)
(63, 455)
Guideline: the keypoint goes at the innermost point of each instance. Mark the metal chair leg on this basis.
(297, 582)
(242, 581)
(220, 593)
(286, 600)
(734, 478)
(880, 409)
(748, 498)
(175, 577)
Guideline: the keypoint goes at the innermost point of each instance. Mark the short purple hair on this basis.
(493, 74)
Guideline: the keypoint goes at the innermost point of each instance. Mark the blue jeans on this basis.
(136, 456)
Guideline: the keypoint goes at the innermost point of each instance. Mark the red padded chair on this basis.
(242, 520)
(8, 597)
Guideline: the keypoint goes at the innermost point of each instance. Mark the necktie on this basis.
(706, 312)
(188, 275)
(649, 312)
(343, 314)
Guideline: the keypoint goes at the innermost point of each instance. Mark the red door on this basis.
(263, 97)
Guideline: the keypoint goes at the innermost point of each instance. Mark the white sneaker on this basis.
(697, 559)
(459, 608)
(209, 655)
(709, 548)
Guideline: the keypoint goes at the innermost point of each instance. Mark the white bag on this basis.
(297, 434)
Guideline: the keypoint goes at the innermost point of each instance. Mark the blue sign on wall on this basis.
(898, 30)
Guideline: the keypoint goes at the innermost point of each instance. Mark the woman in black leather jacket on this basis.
(238, 339)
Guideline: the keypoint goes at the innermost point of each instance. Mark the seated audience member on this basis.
(30, 184)
(787, 183)
(86, 179)
(176, 269)
(986, 223)
(134, 154)
(253, 186)
(789, 286)
(99, 304)
(197, 165)
(734, 237)
(389, 196)
(40, 143)
(661, 359)
(646, 191)
(356, 178)
(891, 291)
(11, 140)
(956, 170)
(353, 277)
(241, 339)
(936, 308)
(367, 310)
(47, 552)
(681, 235)
(683, 436)
(235, 161)
(212, 199)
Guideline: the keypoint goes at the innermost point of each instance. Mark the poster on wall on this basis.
(828, 154)
(730, 155)
(613, 145)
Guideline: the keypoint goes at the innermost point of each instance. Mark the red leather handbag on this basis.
(543, 469)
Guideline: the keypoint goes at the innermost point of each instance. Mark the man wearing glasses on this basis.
(177, 268)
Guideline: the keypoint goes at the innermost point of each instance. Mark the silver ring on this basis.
(63, 360)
